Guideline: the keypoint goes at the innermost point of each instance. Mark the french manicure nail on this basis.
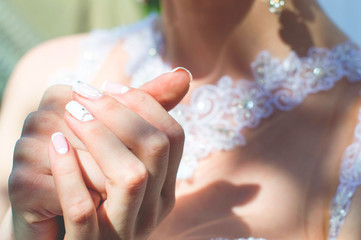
(183, 69)
(78, 111)
(59, 142)
(86, 90)
(114, 88)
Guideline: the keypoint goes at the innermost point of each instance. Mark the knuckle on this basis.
(53, 91)
(136, 100)
(15, 183)
(136, 178)
(20, 183)
(30, 121)
(22, 146)
(40, 122)
(55, 97)
(142, 98)
(168, 203)
(81, 211)
(157, 144)
(94, 130)
(110, 106)
(150, 225)
(29, 149)
(176, 132)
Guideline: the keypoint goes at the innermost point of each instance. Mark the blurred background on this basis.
(24, 23)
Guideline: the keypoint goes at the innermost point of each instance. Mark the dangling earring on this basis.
(276, 6)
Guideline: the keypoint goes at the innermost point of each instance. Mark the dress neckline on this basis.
(217, 113)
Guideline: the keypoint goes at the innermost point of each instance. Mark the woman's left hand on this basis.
(138, 152)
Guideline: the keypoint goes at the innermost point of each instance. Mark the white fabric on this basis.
(217, 113)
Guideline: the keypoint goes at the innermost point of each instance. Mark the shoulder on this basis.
(44, 60)
(31, 75)
(47, 60)
(31, 78)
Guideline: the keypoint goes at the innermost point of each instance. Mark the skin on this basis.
(137, 131)
(139, 174)
(270, 178)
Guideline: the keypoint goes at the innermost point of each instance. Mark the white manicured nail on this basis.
(78, 111)
(114, 88)
(59, 142)
(86, 90)
(183, 69)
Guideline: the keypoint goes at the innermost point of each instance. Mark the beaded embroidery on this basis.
(217, 113)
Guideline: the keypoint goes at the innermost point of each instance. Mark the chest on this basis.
(279, 185)
(257, 199)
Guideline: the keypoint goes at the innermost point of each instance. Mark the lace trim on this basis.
(350, 179)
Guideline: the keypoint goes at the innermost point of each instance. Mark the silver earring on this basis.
(276, 6)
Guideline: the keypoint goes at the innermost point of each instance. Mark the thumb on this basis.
(169, 88)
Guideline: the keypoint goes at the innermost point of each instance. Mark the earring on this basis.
(276, 6)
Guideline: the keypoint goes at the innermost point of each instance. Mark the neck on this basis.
(213, 38)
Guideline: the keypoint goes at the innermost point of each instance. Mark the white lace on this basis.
(350, 179)
(217, 114)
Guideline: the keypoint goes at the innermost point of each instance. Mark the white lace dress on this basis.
(217, 114)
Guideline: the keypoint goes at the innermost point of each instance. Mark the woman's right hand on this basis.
(34, 201)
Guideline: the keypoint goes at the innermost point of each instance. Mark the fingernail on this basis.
(183, 69)
(86, 90)
(78, 111)
(114, 88)
(59, 142)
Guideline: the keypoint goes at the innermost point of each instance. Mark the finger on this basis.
(79, 211)
(160, 197)
(150, 110)
(32, 157)
(169, 88)
(126, 176)
(146, 141)
(31, 176)
(137, 135)
(55, 98)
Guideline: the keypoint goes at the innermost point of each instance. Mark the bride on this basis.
(270, 150)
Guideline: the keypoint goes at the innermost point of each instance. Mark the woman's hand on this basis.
(34, 201)
(138, 153)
